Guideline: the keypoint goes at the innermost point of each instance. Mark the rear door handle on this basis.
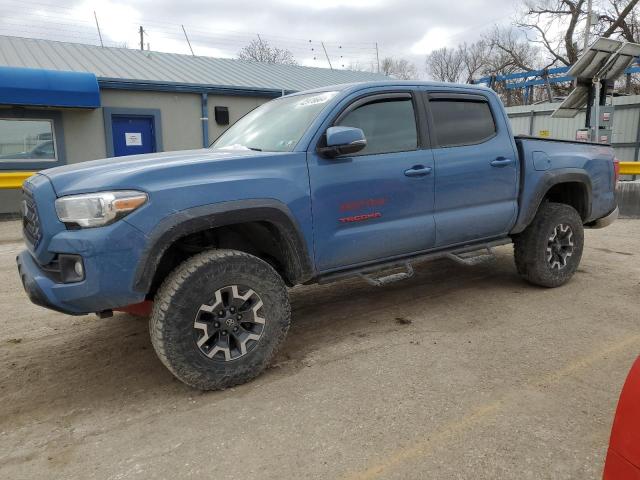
(418, 171)
(501, 162)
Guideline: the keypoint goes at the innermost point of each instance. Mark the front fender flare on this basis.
(298, 265)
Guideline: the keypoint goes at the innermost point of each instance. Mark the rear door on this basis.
(476, 168)
(378, 203)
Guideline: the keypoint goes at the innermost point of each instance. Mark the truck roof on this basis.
(354, 87)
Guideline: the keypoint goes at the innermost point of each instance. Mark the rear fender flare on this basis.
(545, 183)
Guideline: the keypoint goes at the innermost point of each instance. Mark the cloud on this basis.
(349, 28)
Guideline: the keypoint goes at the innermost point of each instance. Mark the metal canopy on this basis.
(605, 60)
(37, 87)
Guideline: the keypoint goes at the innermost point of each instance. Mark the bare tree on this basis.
(446, 65)
(260, 51)
(498, 52)
(510, 52)
(475, 57)
(357, 66)
(556, 24)
(619, 18)
(400, 68)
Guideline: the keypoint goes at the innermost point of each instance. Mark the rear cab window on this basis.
(463, 120)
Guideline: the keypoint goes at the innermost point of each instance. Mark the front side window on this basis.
(461, 122)
(276, 126)
(389, 125)
(26, 140)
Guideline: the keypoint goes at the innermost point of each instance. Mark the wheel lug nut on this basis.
(224, 332)
(221, 313)
(235, 329)
(239, 317)
(217, 325)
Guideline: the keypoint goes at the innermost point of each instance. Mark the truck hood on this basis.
(146, 171)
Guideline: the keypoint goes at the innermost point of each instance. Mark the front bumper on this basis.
(32, 277)
(110, 255)
(606, 220)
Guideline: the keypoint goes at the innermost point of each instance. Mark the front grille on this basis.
(30, 220)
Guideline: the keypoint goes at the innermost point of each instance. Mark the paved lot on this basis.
(461, 372)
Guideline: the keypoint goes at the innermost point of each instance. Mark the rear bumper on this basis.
(606, 220)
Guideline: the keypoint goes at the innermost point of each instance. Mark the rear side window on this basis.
(461, 122)
(388, 125)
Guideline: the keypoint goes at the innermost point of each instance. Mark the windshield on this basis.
(276, 126)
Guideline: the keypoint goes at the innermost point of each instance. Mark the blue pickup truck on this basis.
(351, 180)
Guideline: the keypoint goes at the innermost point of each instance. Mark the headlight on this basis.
(98, 209)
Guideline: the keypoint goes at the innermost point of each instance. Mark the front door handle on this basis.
(418, 171)
(501, 162)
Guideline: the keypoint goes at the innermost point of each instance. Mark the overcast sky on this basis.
(349, 28)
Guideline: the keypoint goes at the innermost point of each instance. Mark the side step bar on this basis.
(387, 279)
(469, 255)
(474, 257)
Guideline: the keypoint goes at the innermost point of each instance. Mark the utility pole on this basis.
(377, 57)
(98, 27)
(141, 38)
(327, 55)
(188, 42)
(587, 29)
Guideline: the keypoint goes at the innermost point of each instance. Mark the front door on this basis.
(476, 169)
(132, 135)
(377, 203)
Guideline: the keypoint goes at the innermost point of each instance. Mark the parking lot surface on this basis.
(461, 372)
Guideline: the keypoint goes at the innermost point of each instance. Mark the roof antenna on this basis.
(327, 55)
(188, 42)
(98, 27)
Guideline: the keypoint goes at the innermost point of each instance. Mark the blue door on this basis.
(476, 169)
(132, 135)
(377, 203)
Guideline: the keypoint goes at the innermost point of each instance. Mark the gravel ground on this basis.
(458, 373)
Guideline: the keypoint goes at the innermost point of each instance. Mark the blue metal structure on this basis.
(530, 79)
(48, 88)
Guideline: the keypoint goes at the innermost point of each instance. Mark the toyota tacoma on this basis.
(351, 180)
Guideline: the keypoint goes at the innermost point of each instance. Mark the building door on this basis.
(132, 135)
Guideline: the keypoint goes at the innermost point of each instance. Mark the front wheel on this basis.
(548, 252)
(219, 318)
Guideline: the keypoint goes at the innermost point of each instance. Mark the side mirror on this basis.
(343, 141)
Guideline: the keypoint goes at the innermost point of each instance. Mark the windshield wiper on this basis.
(255, 149)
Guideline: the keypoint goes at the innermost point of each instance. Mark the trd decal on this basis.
(360, 218)
(360, 204)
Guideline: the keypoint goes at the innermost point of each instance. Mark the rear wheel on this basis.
(219, 318)
(548, 252)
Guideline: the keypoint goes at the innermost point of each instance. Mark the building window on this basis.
(27, 140)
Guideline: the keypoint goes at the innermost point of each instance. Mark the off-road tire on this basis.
(192, 285)
(530, 247)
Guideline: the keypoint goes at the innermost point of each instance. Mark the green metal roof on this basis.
(127, 65)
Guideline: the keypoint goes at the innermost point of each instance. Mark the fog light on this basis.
(78, 268)
(71, 268)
